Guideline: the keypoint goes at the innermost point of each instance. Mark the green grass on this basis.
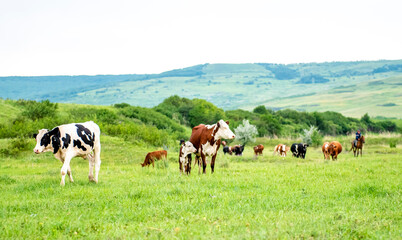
(267, 197)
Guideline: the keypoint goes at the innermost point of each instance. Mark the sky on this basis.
(76, 37)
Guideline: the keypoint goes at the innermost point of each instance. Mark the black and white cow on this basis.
(299, 150)
(72, 140)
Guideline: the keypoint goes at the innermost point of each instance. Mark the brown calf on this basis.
(281, 149)
(258, 149)
(152, 156)
(325, 150)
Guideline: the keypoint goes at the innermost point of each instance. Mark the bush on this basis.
(312, 136)
(246, 133)
(392, 143)
(36, 110)
(15, 147)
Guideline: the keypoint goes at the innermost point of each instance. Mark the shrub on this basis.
(246, 132)
(15, 147)
(312, 136)
(392, 143)
(36, 110)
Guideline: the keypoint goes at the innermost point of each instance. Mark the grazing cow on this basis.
(69, 141)
(325, 150)
(281, 149)
(207, 140)
(238, 150)
(185, 152)
(334, 149)
(299, 150)
(258, 149)
(226, 149)
(152, 156)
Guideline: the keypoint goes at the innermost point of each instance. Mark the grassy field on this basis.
(268, 197)
(376, 97)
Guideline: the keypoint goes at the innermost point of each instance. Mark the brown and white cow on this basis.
(152, 156)
(69, 141)
(185, 152)
(207, 140)
(281, 149)
(258, 149)
(325, 150)
(334, 149)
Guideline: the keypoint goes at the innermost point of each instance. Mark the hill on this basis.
(352, 88)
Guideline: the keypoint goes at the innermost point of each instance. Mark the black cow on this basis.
(238, 150)
(299, 150)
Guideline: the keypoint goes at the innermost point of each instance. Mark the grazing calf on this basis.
(185, 152)
(334, 149)
(281, 149)
(207, 140)
(152, 156)
(238, 150)
(258, 149)
(325, 150)
(69, 141)
(299, 150)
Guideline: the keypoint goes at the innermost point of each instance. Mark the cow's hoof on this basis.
(62, 183)
(91, 178)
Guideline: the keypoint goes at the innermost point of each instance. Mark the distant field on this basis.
(352, 88)
(380, 97)
(268, 197)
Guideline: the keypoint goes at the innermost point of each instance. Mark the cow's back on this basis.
(197, 136)
(338, 146)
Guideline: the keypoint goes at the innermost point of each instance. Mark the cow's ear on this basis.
(218, 124)
(34, 135)
(227, 122)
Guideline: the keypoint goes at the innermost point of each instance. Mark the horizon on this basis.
(72, 75)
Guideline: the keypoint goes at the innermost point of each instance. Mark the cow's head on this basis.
(188, 147)
(224, 130)
(43, 141)
(305, 145)
(332, 149)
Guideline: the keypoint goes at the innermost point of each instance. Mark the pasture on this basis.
(267, 197)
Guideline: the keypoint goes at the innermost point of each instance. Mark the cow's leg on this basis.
(188, 170)
(204, 163)
(69, 174)
(97, 152)
(213, 163)
(198, 161)
(65, 167)
(91, 161)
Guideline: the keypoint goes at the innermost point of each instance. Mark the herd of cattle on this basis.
(83, 140)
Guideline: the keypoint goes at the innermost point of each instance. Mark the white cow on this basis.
(72, 140)
(184, 155)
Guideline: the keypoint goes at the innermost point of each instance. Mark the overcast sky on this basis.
(72, 37)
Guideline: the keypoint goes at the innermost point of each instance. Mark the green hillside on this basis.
(305, 86)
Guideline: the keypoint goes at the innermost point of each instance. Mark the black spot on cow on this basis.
(77, 143)
(66, 141)
(85, 134)
(52, 136)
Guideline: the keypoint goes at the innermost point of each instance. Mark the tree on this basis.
(204, 112)
(246, 132)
